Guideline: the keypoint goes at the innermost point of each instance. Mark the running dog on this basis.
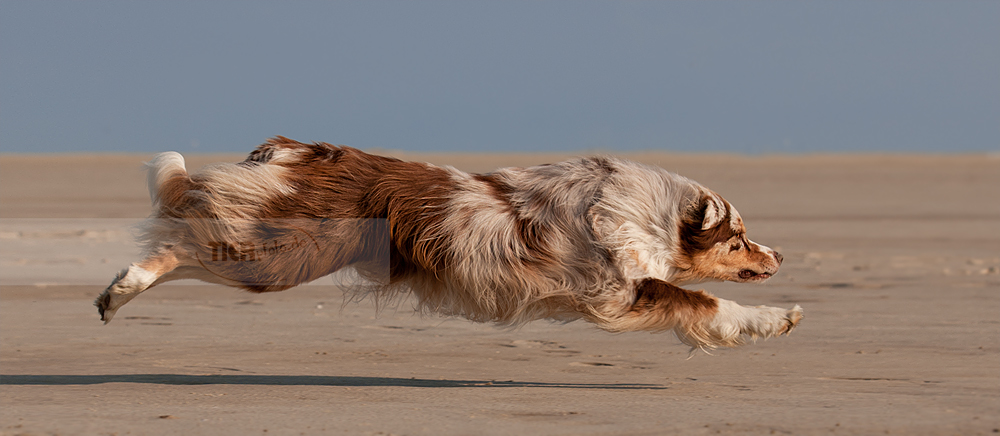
(601, 239)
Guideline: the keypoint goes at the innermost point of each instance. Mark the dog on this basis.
(601, 239)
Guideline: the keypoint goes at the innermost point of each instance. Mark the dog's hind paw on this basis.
(125, 286)
(103, 303)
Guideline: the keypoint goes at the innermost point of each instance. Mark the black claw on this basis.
(102, 303)
(789, 327)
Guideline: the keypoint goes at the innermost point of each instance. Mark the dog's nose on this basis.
(778, 257)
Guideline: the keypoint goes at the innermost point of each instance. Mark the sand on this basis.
(894, 258)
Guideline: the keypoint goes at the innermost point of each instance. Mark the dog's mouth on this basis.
(747, 275)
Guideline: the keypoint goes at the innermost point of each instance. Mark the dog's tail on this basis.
(167, 179)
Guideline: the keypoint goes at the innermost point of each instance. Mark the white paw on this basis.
(733, 323)
(766, 322)
(126, 285)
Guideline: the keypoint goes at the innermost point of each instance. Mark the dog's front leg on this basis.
(699, 319)
(733, 322)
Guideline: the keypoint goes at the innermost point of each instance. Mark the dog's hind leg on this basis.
(133, 280)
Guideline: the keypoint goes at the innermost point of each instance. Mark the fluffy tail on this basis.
(167, 178)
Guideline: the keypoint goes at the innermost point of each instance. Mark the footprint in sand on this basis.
(590, 364)
(550, 347)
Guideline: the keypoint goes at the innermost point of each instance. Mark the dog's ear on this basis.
(709, 210)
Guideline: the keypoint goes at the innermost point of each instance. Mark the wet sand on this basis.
(895, 259)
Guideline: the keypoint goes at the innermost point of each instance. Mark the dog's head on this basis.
(714, 246)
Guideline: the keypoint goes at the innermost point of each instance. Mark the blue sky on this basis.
(746, 77)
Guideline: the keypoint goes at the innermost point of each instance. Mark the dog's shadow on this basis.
(297, 380)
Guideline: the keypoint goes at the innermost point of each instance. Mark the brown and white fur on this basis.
(600, 239)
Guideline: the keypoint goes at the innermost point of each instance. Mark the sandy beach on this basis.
(894, 258)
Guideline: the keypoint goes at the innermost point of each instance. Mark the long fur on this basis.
(600, 239)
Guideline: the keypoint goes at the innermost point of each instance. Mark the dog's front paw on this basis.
(733, 323)
(792, 318)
